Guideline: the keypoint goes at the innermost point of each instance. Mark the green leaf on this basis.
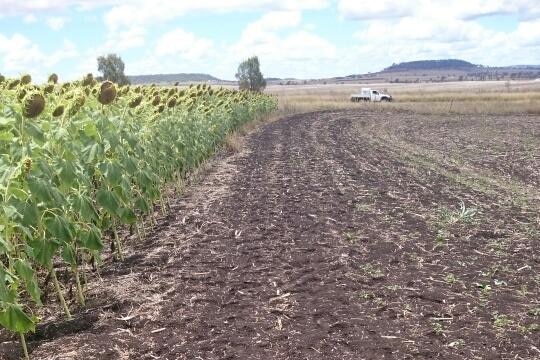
(30, 215)
(40, 189)
(59, 228)
(34, 131)
(142, 205)
(112, 172)
(27, 274)
(44, 167)
(90, 129)
(17, 192)
(91, 239)
(5, 121)
(83, 206)
(67, 173)
(68, 254)
(43, 250)
(13, 318)
(144, 180)
(130, 165)
(11, 212)
(6, 136)
(107, 200)
(92, 153)
(5, 247)
(127, 216)
(7, 293)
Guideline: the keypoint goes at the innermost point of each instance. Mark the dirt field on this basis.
(333, 235)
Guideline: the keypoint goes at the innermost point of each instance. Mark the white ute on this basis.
(367, 94)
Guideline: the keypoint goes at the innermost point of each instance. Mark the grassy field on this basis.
(493, 97)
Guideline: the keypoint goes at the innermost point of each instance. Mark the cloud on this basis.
(144, 12)
(120, 40)
(17, 7)
(19, 54)
(183, 44)
(413, 38)
(352, 9)
(438, 9)
(56, 23)
(29, 19)
(284, 46)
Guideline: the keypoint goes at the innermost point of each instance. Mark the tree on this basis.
(112, 68)
(249, 75)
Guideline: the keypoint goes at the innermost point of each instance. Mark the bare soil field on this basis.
(344, 234)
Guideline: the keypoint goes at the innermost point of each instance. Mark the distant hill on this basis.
(172, 78)
(440, 71)
(445, 64)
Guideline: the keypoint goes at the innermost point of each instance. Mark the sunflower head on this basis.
(33, 104)
(88, 80)
(171, 102)
(26, 79)
(48, 89)
(58, 111)
(135, 101)
(53, 78)
(107, 93)
(13, 84)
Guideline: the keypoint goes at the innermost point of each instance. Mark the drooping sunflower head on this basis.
(26, 79)
(13, 84)
(48, 89)
(88, 80)
(33, 104)
(107, 93)
(135, 101)
(171, 102)
(53, 78)
(58, 111)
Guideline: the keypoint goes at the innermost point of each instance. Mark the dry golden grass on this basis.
(494, 97)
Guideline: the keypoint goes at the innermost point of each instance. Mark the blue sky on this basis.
(304, 38)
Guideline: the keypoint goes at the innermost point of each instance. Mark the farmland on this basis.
(403, 230)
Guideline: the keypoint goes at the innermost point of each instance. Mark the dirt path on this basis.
(329, 237)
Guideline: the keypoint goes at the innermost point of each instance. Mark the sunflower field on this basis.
(80, 160)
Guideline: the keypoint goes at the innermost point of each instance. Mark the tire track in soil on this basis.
(257, 261)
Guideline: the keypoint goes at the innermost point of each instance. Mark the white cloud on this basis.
(17, 7)
(56, 23)
(439, 9)
(352, 9)
(29, 19)
(415, 38)
(19, 54)
(284, 46)
(121, 40)
(184, 44)
(145, 12)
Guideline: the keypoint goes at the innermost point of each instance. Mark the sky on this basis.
(301, 39)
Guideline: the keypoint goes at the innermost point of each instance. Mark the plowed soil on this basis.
(332, 235)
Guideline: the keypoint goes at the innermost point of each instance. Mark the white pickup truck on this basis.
(367, 94)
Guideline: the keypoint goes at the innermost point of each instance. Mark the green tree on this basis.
(249, 75)
(112, 68)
